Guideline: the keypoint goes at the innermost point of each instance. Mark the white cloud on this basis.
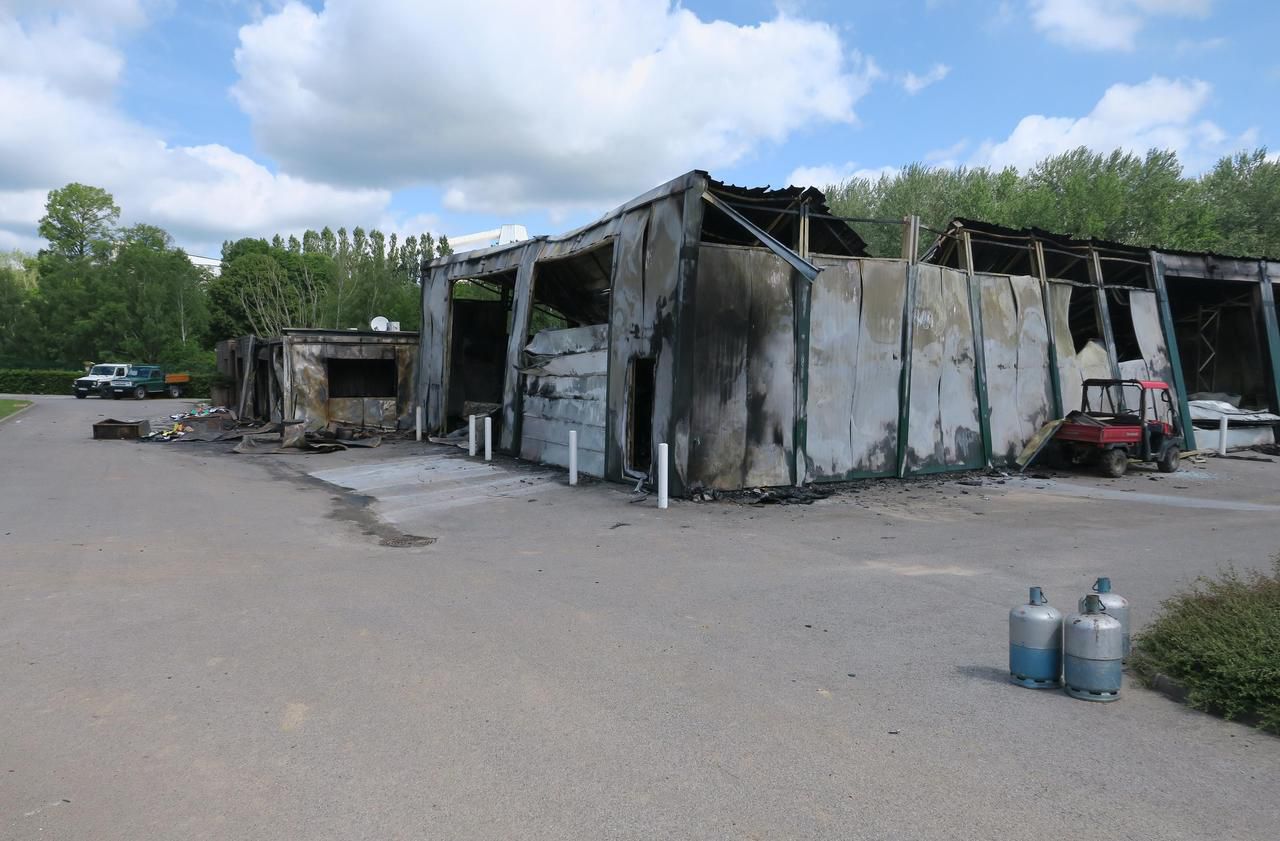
(64, 69)
(949, 156)
(1103, 25)
(913, 84)
(508, 104)
(1193, 46)
(827, 175)
(1158, 113)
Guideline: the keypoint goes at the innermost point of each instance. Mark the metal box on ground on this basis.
(112, 428)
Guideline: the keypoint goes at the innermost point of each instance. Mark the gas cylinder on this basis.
(1116, 605)
(1092, 648)
(1035, 643)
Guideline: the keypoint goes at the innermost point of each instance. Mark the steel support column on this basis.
(1171, 344)
(802, 299)
(1104, 311)
(1269, 322)
(979, 351)
(904, 380)
(1055, 376)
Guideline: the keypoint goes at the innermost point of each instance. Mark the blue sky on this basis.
(223, 119)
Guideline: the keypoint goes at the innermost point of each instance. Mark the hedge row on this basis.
(31, 381)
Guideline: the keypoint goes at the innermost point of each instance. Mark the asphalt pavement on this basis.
(201, 645)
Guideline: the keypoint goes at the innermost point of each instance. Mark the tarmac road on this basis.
(202, 645)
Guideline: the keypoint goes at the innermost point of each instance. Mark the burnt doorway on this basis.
(642, 379)
(480, 320)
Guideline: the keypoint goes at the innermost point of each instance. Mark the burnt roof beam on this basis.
(806, 269)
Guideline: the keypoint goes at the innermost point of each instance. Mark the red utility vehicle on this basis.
(1119, 420)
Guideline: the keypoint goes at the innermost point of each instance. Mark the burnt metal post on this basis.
(979, 350)
(802, 298)
(1267, 293)
(1171, 344)
(1103, 311)
(904, 380)
(1055, 376)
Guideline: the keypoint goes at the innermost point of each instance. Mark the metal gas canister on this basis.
(1035, 643)
(1092, 649)
(1116, 606)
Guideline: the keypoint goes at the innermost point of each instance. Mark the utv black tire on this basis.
(1114, 463)
(80, 395)
(175, 392)
(1169, 461)
(140, 393)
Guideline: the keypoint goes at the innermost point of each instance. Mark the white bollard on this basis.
(662, 476)
(471, 438)
(573, 456)
(417, 423)
(1222, 436)
(488, 438)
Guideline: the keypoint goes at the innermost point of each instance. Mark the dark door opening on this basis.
(479, 325)
(642, 383)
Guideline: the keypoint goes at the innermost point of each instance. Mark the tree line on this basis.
(101, 291)
(1142, 200)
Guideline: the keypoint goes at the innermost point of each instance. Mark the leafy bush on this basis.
(35, 381)
(1221, 640)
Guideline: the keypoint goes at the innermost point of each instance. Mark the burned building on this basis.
(349, 377)
(749, 331)
(1206, 324)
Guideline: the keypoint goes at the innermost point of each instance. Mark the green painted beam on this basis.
(1104, 312)
(979, 351)
(1175, 356)
(1055, 376)
(1269, 321)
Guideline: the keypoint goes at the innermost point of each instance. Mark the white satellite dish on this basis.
(379, 324)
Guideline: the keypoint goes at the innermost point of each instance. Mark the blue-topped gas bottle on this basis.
(1035, 643)
(1092, 649)
(1115, 605)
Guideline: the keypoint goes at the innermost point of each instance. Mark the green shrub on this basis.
(1221, 640)
(34, 381)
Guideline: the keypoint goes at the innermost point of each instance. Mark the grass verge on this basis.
(8, 407)
(1221, 641)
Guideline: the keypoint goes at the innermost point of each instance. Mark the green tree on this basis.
(1242, 196)
(77, 219)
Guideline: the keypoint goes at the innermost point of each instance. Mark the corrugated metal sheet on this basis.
(743, 415)
(855, 362)
(944, 431)
(1073, 368)
(1146, 325)
(565, 392)
(1016, 344)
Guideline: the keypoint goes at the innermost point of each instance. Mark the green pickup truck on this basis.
(141, 380)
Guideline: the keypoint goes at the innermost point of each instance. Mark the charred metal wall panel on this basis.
(742, 413)
(855, 361)
(628, 332)
(943, 431)
(659, 313)
(1144, 311)
(564, 390)
(1073, 367)
(1015, 339)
